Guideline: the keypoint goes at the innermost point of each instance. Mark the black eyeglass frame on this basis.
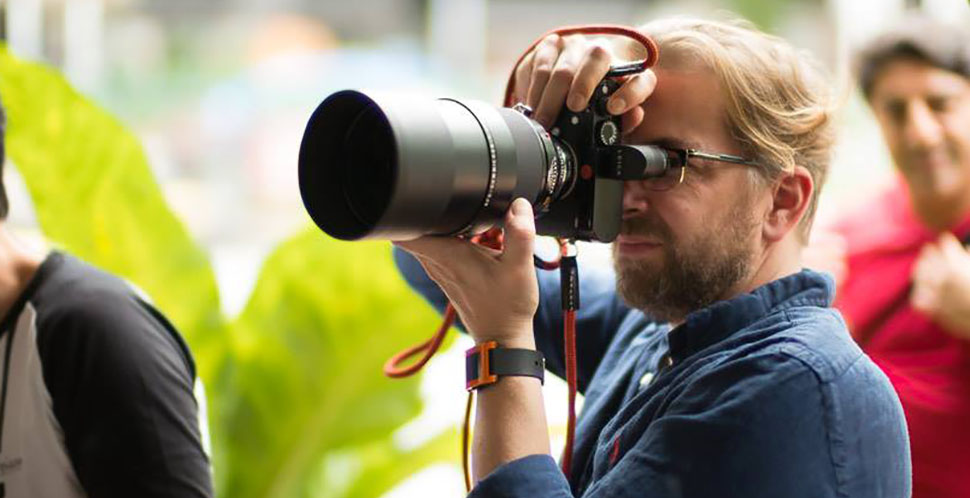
(681, 156)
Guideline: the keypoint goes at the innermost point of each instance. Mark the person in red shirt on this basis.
(905, 275)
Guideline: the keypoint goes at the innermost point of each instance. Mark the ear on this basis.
(791, 197)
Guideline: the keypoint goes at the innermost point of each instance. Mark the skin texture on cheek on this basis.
(702, 229)
(696, 269)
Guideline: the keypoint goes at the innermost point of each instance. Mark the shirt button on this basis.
(646, 379)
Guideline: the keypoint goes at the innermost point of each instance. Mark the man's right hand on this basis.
(941, 284)
(567, 69)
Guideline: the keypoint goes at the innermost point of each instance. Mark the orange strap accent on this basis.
(465, 430)
(653, 53)
(483, 378)
(391, 368)
(493, 239)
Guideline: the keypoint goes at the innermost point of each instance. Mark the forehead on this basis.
(686, 108)
(905, 78)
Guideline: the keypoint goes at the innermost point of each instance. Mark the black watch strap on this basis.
(486, 362)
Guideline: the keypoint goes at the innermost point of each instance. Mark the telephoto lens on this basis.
(395, 167)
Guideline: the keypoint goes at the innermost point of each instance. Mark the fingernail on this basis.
(520, 207)
(617, 106)
(575, 103)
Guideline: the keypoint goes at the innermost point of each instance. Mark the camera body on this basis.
(588, 205)
(395, 167)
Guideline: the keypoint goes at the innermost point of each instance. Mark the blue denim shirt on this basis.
(765, 394)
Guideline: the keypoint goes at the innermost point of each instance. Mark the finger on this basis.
(554, 95)
(951, 248)
(633, 92)
(926, 253)
(631, 119)
(523, 75)
(919, 268)
(593, 67)
(438, 249)
(545, 56)
(919, 299)
(929, 270)
(520, 233)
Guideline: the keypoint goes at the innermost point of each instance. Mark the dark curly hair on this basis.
(917, 37)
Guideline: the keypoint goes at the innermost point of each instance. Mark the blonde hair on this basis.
(778, 105)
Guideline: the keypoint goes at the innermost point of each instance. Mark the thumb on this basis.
(950, 246)
(921, 299)
(520, 232)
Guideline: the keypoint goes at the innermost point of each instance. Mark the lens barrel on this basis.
(385, 166)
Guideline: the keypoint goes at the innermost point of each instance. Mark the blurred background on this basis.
(218, 92)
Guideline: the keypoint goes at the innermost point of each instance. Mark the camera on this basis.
(397, 167)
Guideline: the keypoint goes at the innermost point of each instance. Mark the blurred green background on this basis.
(158, 140)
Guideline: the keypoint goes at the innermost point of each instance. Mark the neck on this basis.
(939, 214)
(778, 260)
(17, 267)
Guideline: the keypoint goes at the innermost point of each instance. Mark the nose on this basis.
(922, 129)
(636, 199)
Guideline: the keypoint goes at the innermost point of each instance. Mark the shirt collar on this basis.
(718, 321)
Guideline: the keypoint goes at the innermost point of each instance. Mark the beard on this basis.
(693, 273)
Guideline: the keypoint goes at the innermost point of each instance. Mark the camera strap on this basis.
(623, 69)
(569, 288)
(569, 272)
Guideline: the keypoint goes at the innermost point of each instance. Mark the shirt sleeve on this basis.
(732, 432)
(121, 382)
(597, 319)
(533, 476)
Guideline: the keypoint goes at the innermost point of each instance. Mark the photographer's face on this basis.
(685, 248)
(924, 113)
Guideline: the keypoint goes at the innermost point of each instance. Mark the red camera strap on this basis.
(653, 53)
(493, 239)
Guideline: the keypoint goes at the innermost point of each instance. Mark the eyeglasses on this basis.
(677, 168)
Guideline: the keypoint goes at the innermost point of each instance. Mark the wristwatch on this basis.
(486, 362)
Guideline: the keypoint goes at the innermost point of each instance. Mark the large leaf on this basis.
(307, 379)
(295, 381)
(376, 469)
(95, 196)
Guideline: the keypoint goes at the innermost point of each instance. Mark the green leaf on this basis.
(309, 350)
(95, 196)
(296, 380)
(383, 466)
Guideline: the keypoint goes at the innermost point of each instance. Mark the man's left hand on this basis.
(941, 284)
(494, 292)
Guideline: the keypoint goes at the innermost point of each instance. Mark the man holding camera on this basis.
(96, 386)
(905, 291)
(712, 365)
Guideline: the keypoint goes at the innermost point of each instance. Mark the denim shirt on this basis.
(765, 394)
